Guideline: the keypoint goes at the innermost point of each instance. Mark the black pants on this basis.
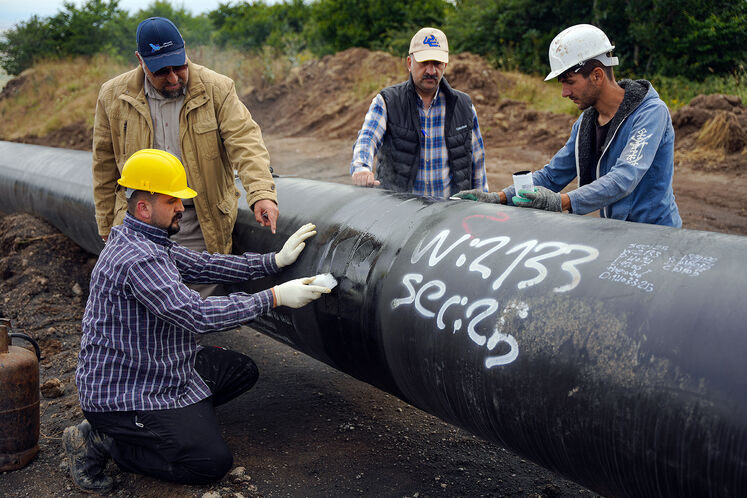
(182, 444)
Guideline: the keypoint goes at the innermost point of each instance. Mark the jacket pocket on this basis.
(228, 208)
(206, 138)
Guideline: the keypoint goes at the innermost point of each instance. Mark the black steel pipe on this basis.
(611, 352)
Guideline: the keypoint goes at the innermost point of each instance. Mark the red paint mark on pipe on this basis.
(500, 217)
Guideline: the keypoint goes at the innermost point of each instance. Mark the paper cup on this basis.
(523, 181)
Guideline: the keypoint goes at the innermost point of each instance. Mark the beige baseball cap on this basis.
(430, 44)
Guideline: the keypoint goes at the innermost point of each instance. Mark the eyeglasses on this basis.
(165, 71)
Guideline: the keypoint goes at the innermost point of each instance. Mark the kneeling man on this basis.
(147, 390)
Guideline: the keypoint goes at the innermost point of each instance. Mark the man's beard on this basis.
(174, 227)
(173, 94)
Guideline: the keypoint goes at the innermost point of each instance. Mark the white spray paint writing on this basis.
(424, 297)
(691, 265)
(632, 264)
(494, 244)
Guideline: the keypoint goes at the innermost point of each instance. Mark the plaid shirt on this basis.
(433, 178)
(138, 347)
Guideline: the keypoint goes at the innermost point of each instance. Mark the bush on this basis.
(97, 27)
(690, 38)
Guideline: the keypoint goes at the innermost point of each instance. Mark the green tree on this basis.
(250, 26)
(196, 30)
(693, 38)
(27, 42)
(384, 25)
(685, 37)
(514, 34)
(96, 27)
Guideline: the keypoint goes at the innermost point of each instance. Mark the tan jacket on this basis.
(217, 136)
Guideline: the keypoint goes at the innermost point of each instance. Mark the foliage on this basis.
(677, 91)
(690, 38)
(340, 24)
(251, 26)
(96, 27)
(26, 43)
(196, 30)
(693, 38)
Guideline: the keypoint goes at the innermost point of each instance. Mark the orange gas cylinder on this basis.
(19, 401)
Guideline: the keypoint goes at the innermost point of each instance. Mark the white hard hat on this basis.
(576, 45)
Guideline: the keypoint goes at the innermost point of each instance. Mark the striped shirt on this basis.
(138, 347)
(434, 177)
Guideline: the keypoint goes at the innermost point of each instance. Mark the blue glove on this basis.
(478, 195)
(540, 198)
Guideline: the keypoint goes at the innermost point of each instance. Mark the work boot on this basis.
(87, 452)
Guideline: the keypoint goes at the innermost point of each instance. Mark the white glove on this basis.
(294, 245)
(297, 293)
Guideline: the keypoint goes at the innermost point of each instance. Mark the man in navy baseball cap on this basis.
(160, 44)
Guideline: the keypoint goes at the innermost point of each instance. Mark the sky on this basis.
(14, 11)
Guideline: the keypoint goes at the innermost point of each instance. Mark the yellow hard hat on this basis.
(156, 171)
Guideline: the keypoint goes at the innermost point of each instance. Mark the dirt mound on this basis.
(13, 87)
(78, 136)
(711, 133)
(329, 99)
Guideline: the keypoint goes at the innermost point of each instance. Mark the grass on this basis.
(678, 91)
(247, 70)
(675, 91)
(539, 94)
(63, 92)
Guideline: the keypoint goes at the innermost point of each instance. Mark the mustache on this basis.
(430, 77)
(177, 216)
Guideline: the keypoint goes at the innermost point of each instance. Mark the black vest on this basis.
(399, 155)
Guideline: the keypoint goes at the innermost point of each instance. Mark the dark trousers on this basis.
(182, 444)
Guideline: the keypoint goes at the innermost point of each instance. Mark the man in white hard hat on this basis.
(147, 390)
(422, 133)
(621, 148)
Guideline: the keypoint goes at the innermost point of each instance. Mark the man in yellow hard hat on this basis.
(147, 390)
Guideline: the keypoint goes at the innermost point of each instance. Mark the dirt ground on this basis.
(306, 429)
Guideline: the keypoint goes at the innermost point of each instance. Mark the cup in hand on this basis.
(523, 181)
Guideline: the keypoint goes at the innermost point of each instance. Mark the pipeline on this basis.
(612, 353)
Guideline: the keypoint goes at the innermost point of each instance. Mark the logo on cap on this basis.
(156, 48)
(431, 41)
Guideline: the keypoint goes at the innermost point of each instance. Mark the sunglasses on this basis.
(165, 71)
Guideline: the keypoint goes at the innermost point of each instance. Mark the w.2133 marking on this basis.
(481, 309)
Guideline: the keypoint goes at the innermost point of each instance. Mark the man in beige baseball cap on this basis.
(430, 44)
(423, 133)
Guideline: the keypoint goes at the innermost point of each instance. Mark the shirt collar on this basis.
(435, 97)
(154, 234)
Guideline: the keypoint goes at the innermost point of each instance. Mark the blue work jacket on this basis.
(634, 173)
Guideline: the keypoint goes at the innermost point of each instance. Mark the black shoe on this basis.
(87, 453)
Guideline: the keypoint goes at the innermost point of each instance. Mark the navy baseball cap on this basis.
(160, 44)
